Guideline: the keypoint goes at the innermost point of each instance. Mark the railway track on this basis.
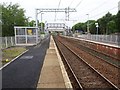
(115, 61)
(109, 71)
(85, 75)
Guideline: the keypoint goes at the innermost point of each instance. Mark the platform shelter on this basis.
(27, 35)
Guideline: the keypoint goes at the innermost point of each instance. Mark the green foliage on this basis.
(103, 23)
(108, 24)
(111, 27)
(42, 33)
(79, 26)
(43, 25)
(10, 53)
(92, 26)
(12, 15)
(118, 22)
(83, 26)
(32, 23)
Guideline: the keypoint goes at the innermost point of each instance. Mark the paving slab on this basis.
(52, 50)
(52, 60)
(51, 75)
(51, 46)
(55, 85)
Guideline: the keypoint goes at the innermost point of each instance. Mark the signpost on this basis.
(97, 27)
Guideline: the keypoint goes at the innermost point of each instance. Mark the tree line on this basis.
(108, 24)
(13, 15)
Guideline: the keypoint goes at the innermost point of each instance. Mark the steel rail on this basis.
(112, 84)
(117, 66)
(79, 84)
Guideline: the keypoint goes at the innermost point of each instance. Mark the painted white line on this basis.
(13, 60)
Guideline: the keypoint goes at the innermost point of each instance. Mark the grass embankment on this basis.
(10, 53)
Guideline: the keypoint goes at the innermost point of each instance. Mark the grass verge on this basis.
(10, 53)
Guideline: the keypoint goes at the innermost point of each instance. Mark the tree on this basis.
(80, 27)
(12, 15)
(32, 23)
(43, 25)
(118, 22)
(111, 27)
(83, 26)
(92, 26)
(103, 23)
(108, 24)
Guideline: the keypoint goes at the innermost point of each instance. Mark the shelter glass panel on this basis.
(31, 40)
(21, 40)
(31, 31)
(20, 31)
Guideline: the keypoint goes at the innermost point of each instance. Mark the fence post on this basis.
(116, 39)
(102, 38)
(106, 38)
(111, 39)
(12, 41)
(6, 42)
(1, 42)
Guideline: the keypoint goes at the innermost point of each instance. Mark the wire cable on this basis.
(78, 3)
(59, 4)
(98, 7)
(98, 13)
(104, 12)
(71, 3)
(56, 12)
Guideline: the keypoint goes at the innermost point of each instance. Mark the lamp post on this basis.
(88, 31)
(41, 22)
(45, 27)
(36, 15)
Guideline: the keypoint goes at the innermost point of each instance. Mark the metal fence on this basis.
(111, 39)
(7, 42)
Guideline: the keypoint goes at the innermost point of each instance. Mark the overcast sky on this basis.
(95, 8)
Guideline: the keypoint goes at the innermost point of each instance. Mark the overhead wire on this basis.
(58, 8)
(98, 6)
(104, 12)
(59, 4)
(78, 3)
(71, 3)
(101, 12)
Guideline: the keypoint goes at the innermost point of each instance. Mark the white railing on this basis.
(6, 42)
(112, 39)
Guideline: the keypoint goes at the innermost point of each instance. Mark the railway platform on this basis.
(53, 74)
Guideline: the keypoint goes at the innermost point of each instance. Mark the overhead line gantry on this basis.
(65, 10)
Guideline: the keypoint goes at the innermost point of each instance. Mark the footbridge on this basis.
(56, 27)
